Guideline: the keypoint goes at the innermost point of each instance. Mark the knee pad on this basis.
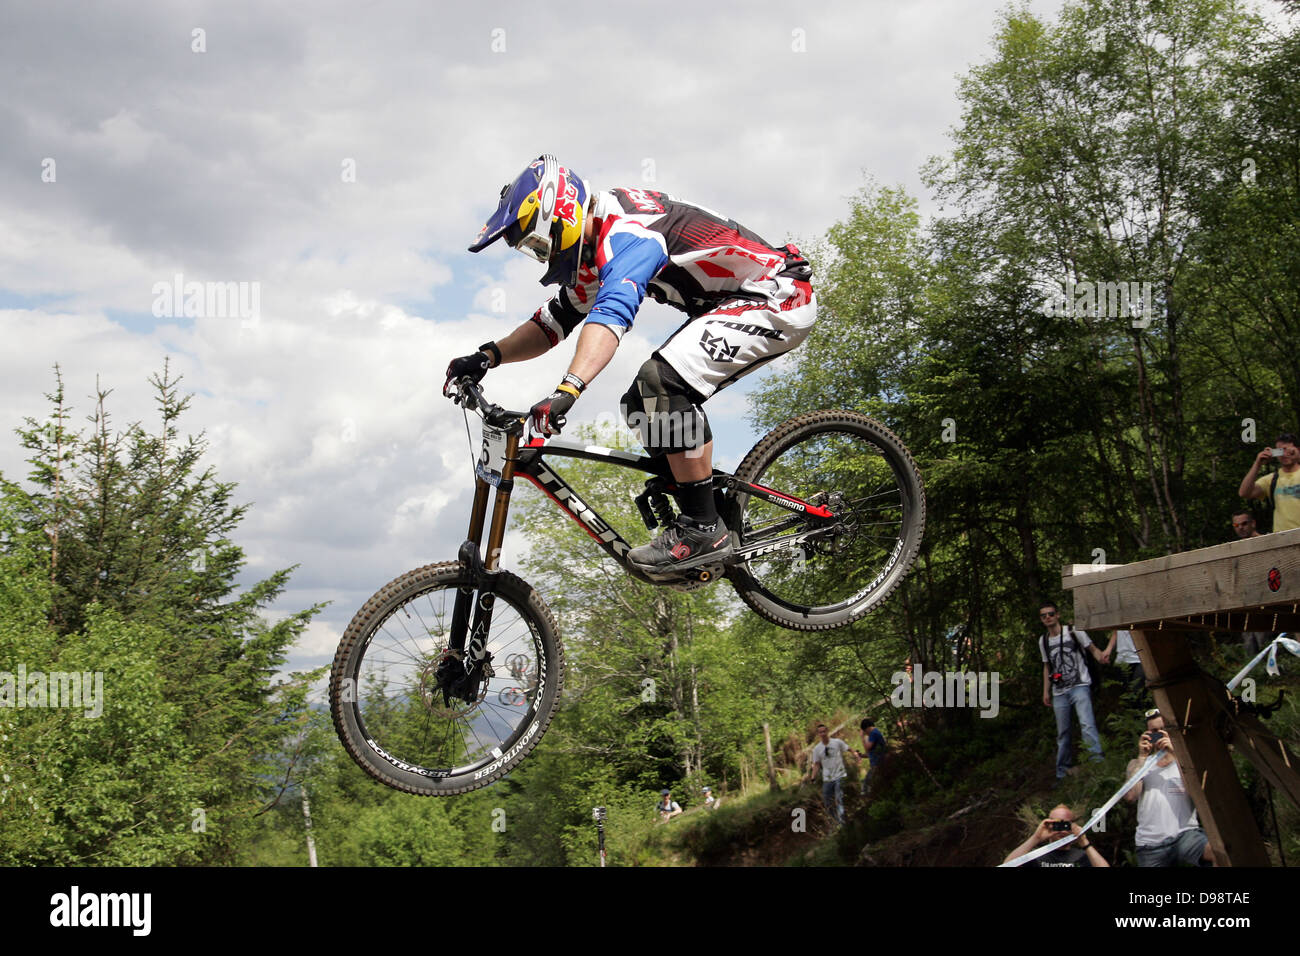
(664, 411)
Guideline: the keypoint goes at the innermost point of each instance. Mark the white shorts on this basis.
(715, 349)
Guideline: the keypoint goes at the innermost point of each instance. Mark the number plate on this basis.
(492, 459)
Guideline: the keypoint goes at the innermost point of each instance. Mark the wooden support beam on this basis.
(1275, 761)
(1188, 703)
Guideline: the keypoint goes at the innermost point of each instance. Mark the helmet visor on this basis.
(506, 219)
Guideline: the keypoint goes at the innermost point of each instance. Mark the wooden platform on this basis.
(1225, 588)
(1247, 585)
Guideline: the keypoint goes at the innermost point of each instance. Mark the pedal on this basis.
(707, 573)
(695, 578)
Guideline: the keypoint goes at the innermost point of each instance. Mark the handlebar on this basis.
(468, 394)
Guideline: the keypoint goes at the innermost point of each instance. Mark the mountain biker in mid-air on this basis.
(747, 301)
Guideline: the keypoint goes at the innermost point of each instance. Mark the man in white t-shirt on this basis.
(1067, 686)
(1168, 832)
(1125, 655)
(829, 756)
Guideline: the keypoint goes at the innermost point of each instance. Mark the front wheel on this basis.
(389, 710)
(812, 573)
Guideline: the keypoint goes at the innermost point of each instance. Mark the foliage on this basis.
(177, 743)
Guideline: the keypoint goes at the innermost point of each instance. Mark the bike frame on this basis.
(528, 460)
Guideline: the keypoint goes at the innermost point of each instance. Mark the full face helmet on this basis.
(542, 214)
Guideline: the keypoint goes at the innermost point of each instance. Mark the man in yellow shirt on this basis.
(1281, 490)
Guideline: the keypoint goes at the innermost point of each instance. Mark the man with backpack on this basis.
(1068, 684)
(1281, 489)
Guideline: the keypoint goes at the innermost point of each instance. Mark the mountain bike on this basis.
(449, 675)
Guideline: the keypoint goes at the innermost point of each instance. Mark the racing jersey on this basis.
(683, 255)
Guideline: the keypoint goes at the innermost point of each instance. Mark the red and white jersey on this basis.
(683, 255)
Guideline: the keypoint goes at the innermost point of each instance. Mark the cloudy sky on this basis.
(337, 158)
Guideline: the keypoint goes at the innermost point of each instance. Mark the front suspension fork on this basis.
(471, 620)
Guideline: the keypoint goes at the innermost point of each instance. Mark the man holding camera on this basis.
(1058, 823)
(1067, 685)
(1280, 489)
(1168, 832)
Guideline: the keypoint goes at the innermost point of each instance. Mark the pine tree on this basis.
(124, 544)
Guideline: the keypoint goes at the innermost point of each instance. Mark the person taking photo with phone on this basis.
(1058, 823)
(1168, 833)
(1281, 489)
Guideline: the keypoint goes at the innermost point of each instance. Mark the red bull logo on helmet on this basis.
(566, 201)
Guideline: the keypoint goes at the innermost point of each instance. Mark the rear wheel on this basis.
(810, 573)
(388, 709)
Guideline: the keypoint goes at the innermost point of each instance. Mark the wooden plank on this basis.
(1257, 581)
(1279, 541)
(1183, 695)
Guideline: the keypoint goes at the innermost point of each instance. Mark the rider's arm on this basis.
(628, 257)
(596, 345)
(550, 324)
(526, 342)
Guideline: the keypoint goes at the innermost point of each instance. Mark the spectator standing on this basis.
(1243, 523)
(668, 807)
(873, 748)
(1125, 655)
(1067, 685)
(828, 755)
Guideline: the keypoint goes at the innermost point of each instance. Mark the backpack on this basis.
(1270, 505)
(1094, 669)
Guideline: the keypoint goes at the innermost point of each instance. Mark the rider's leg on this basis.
(666, 413)
(694, 473)
(706, 354)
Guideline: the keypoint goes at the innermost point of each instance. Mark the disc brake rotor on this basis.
(432, 675)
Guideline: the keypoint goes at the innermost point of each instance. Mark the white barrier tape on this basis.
(1290, 645)
(1271, 653)
(1094, 819)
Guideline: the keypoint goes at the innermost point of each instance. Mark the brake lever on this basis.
(465, 393)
